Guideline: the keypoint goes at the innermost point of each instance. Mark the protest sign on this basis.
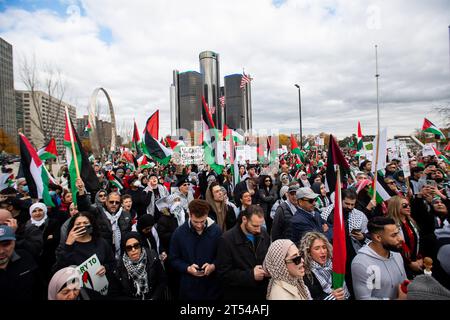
(405, 159)
(191, 155)
(89, 278)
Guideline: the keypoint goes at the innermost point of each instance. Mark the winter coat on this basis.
(230, 217)
(282, 290)
(282, 226)
(266, 201)
(157, 280)
(237, 257)
(304, 222)
(188, 247)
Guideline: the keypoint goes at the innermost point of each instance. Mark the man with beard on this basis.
(377, 270)
(240, 255)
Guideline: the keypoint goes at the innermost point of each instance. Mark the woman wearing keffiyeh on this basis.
(140, 273)
(285, 266)
(318, 268)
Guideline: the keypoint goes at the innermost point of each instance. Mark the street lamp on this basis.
(300, 113)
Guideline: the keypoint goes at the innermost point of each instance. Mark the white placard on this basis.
(89, 278)
(253, 154)
(191, 155)
(240, 154)
(428, 150)
(405, 159)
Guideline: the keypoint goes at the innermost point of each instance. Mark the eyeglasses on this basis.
(309, 200)
(114, 202)
(135, 246)
(405, 205)
(297, 260)
(390, 182)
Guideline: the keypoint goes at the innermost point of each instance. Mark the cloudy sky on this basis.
(327, 46)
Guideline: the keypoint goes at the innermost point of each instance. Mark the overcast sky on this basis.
(131, 47)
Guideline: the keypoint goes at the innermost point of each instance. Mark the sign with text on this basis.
(191, 155)
(428, 150)
(89, 278)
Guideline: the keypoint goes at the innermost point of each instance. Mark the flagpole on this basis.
(74, 154)
(378, 128)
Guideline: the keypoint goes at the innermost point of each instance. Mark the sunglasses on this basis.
(102, 195)
(297, 260)
(405, 205)
(185, 184)
(309, 200)
(135, 246)
(114, 202)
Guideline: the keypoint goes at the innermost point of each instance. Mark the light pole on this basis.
(300, 113)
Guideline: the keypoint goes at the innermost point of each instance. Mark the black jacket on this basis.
(236, 258)
(167, 224)
(266, 201)
(104, 225)
(315, 289)
(30, 238)
(230, 217)
(281, 226)
(21, 280)
(240, 188)
(157, 280)
(141, 200)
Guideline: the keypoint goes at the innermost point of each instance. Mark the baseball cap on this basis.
(307, 193)
(6, 233)
(293, 188)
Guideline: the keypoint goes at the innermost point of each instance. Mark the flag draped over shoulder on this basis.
(49, 151)
(210, 138)
(336, 161)
(151, 146)
(429, 127)
(87, 173)
(34, 171)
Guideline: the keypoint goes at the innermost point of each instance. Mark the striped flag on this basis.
(136, 139)
(244, 80)
(440, 155)
(151, 146)
(210, 138)
(360, 144)
(88, 128)
(34, 171)
(87, 173)
(381, 189)
(49, 151)
(113, 180)
(6, 180)
(429, 127)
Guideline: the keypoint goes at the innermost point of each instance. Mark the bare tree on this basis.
(125, 131)
(50, 82)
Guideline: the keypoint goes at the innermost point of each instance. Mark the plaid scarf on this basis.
(137, 271)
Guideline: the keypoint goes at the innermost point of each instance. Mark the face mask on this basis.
(52, 193)
(25, 189)
(89, 229)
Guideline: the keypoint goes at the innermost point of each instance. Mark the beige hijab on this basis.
(274, 263)
(220, 210)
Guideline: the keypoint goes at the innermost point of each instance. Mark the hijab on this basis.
(61, 279)
(42, 206)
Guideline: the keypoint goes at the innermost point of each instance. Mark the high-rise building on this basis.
(186, 101)
(210, 71)
(7, 99)
(44, 117)
(238, 107)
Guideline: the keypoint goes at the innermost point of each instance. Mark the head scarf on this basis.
(220, 209)
(274, 263)
(42, 206)
(60, 279)
(97, 199)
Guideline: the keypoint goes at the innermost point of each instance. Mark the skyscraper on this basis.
(7, 98)
(210, 71)
(238, 108)
(186, 101)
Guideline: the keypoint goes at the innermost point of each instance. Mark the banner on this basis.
(381, 151)
(89, 278)
(428, 150)
(191, 155)
(253, 154)
(393, 149)
(240, 154)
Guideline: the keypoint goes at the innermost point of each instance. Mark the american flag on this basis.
(222, 101)
(244, 80)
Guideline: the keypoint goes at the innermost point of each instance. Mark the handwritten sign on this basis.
(191, 155)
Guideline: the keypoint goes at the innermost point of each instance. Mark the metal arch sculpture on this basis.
(94, 136)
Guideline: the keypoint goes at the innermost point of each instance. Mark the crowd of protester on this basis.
(171, 232)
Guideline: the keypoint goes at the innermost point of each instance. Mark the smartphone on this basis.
(356, 230)
(200, 270)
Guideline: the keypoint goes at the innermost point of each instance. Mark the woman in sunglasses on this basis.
(317, 251)
(140, 272)
(400, 210)
(285, 265)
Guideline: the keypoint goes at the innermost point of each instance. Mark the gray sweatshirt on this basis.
(375, 277)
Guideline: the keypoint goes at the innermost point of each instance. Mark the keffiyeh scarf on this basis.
(137, 272)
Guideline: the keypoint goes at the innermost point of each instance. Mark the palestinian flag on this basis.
(87, 173)
(210, 138)
(337, 161)
(143, 162)
(88, 128)
(306, 146)
(382, 193)
(440, 155)
(236, 136)
(49, 151)
(447, 147)
(151, 146)
(34, 172)
(271, 149)
(429, 127)
(136, 139)
(113, 180)
(6, 180)
(360, 144)
(294, 146)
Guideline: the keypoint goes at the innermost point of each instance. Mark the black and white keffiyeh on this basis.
(117, 236)
(137, 272)
(324, 275)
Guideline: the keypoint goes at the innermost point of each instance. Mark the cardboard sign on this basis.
(405, 159)
(240, 154)
(89, 278)
(428, 150)
(191, 155)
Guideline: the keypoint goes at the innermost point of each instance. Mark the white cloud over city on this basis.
(130, 49)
